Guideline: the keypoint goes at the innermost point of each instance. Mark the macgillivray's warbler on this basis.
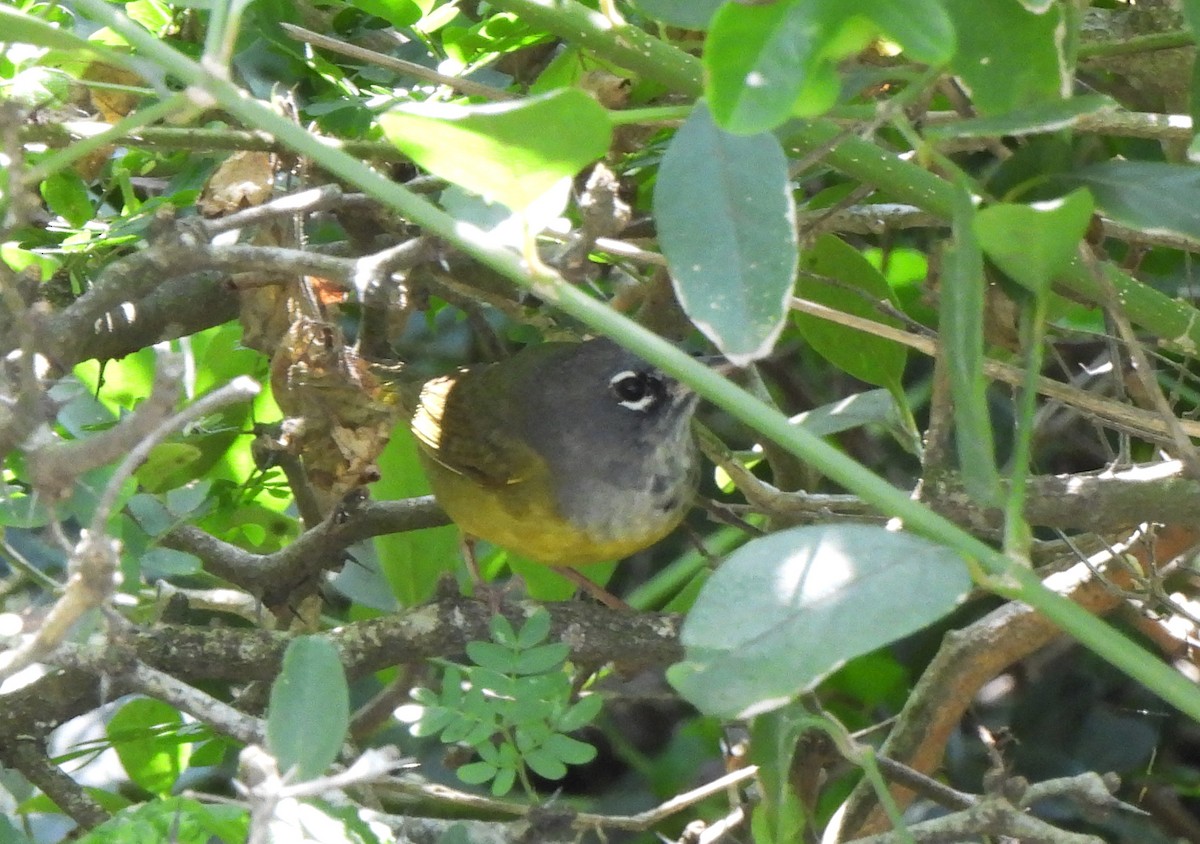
(565, 453)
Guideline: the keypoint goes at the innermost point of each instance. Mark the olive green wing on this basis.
(473, 438)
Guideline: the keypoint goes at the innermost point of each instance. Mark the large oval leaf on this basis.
(512, 152)
(787, 609)
(727, 225)
(309, 711)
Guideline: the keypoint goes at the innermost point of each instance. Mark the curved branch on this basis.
(270, 576)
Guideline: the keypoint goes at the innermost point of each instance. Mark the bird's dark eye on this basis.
(636, 390)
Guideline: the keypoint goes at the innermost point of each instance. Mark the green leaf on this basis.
(476, 773)
(543, 583)
(152, 15)
(874, 407)
(502, 632)
(109, 801)
(158, 563)
(545, 764)
(483, 678)
(535, 629)
(399, 13)
(688, 14)
(767, 62)
(509, 152)
(572, 751)
(21, 509)
(412, 561)
(457, 730)
(505, 779)
(786, 609)
(166, 460)
(309, 711)
(141, 734)
(774, 740)
(1038, 118)
(179, 820)
(190, 500)
(433, 720)
(541, 659)
(581, 713)
(1150, 196)
(1023, 66)
(32, 30)
(921, 27)
(961, 323)
(18, 259)
(865, 356)
(529, 736)
(1034, 243)
(67, 195)
(490, 655)
(727, 225)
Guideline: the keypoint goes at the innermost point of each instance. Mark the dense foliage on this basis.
(943, 575)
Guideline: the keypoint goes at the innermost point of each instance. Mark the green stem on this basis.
(1011, 580)
(865, 757)
(1017, 535)
(628, 46)
(200, 139)
(1137, 44)
(64, 158)
(657, 114)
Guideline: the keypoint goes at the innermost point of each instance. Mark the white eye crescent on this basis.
(637, 391)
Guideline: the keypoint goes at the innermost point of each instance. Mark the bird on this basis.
(567, 453)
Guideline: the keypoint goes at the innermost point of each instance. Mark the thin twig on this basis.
(1142, 367)
(1140, 422)
(162, 686)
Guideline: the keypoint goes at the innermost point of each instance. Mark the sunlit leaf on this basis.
(786, 609)
(151, 758)
(512, 152)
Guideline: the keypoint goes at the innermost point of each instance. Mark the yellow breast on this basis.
(522, 518)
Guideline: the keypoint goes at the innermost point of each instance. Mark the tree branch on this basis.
(193, 655)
